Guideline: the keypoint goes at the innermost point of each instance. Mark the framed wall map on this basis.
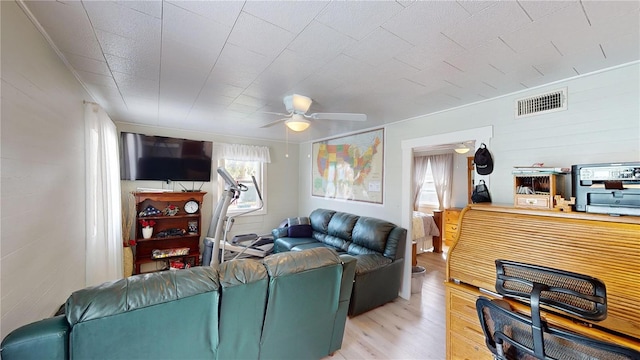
(349, 167)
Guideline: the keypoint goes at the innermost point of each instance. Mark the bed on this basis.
(426, 232)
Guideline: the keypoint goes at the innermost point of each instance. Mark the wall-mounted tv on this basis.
(145, 157)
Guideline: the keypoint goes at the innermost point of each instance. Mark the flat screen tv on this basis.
(145, 157)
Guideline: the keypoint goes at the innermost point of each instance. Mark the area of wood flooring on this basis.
(402, 329)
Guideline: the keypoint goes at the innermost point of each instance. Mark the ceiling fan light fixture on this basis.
(297, 123)
(461, 149)
(298, 104)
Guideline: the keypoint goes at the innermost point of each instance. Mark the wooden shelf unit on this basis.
(181, 220)
(544, 186)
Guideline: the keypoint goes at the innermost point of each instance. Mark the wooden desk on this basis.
(601, 246)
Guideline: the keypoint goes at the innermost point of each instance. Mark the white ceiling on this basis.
(217, 66)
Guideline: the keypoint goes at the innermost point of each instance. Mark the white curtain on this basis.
(420, 164)
(442, 170)
(241, 152)
(103, 209)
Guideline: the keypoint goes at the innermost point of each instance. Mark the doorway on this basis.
(479, 135)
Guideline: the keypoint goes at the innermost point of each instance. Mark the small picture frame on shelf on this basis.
(192, 227)
(189, 261)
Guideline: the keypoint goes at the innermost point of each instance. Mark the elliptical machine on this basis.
(241, 245)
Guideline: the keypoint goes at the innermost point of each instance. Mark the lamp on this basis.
(297, 123)
(461, 149)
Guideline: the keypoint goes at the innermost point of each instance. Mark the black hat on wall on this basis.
(483, 160)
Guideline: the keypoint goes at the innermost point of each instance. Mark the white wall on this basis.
(42, 195)
(281, 182)
(602, 124)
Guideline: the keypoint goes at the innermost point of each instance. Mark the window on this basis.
(428, 195)
(241, 172)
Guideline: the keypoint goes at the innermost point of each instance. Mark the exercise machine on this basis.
(246, 245)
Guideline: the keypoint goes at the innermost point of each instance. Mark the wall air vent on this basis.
(542, 104)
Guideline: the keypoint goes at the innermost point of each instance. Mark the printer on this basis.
(607, 188)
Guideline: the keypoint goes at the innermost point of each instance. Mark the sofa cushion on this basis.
(370, 262)
(287, 243)
(299, 231)
(301, 308)
(372, 233)
(341, 225)
(132, 293)
(299, 261)
(243, 281)
(320, 219)
(334, 241)
(316, 244)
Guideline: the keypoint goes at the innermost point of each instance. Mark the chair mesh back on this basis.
(509, 336)
(576, 294)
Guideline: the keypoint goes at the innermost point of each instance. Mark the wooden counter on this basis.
(602, 246)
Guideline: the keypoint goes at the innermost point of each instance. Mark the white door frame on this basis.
(481, 135)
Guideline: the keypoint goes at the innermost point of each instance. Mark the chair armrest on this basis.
(44, 339)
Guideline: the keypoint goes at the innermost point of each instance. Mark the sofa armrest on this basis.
(346, 286)
(279, 233)
(368, 292)
(44, 339)
(348, 275)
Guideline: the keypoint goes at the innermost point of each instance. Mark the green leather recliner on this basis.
(286, 306)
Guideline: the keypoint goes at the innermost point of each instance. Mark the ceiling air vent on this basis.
(542, 104)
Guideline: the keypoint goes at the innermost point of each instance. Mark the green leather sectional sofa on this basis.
(286, 306)
(377, 245)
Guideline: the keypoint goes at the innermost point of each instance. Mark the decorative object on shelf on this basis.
(147, 232)
(536, 190)
(191, 207)
(563, 204)
(171, 232)
(149, 211)
(176, 265)
(161, 254)
(192, 227)
(170, 210)
(147, 228)
(483, 160)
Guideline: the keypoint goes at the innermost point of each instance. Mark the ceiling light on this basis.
(297, 123)
(461, 149)
(298, 104)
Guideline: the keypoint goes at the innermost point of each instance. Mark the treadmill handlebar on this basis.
(227, 177)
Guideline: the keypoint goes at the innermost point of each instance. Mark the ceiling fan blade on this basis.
(339, 116)
(273, 123)
(275, 113)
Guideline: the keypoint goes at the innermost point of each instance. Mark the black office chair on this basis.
(510, 335)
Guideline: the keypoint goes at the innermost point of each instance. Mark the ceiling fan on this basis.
(297, 118)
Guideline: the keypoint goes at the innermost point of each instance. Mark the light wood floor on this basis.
(402, 329)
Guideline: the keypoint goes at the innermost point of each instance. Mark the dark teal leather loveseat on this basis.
(377, 245)
(287, 306)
